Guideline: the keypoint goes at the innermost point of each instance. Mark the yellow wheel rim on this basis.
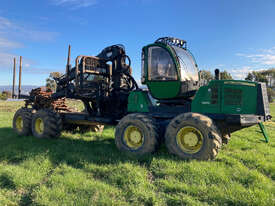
(133, 137)
(19, 123)
(39, 126)
(189, 139)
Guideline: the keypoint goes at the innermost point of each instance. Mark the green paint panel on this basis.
(227, 97)
(138, 101)
(207, 100)
(164, 90)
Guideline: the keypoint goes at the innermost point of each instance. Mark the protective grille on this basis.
(214, 95)
(233, 96)
(264, 100)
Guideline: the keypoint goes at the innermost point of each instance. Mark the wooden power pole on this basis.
(14, 78)
(20, 73)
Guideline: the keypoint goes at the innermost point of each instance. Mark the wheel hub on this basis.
(39, 126)
(189, 139)
(133, 137)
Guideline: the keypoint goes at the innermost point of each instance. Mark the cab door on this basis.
(160, 72)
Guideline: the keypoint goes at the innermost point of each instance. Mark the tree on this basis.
(50, 82)
(5, 95)
(2, 97)
(55, 74)
(270, 77)
(225, 75)
(259, 77)
(270, 94)
(249, 77)
(206, 76)
(267, 76)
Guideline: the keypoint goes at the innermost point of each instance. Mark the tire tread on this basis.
(209, 151)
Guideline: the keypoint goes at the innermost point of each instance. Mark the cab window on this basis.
(160, 65)
(142, 68)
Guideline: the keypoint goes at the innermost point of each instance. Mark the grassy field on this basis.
(87, 169)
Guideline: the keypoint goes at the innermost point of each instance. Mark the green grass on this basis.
(87, 169)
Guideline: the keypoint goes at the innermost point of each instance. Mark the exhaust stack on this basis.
(68, 66)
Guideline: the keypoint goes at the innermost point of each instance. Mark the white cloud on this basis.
(264, 57)
(241, 72)
(6, 61)
(27, 65)
(15, 30)
(9, 31)
(5, 23)
(7, 44)
(75, 4)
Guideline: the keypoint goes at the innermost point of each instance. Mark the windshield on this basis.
(188, 69)
(160, 65)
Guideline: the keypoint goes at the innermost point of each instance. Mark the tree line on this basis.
(207, 76)
(267, 76)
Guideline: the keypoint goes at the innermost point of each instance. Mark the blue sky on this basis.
(233, 35)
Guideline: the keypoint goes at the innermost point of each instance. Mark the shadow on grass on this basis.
(6, 182)
(74, 152)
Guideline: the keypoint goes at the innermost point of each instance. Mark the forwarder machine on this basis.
(193, 120)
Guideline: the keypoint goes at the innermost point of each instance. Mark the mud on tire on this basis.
(148, 129)
(225, 131)
(22, 121)
(211, 137)
(226, 138)
(46, 124)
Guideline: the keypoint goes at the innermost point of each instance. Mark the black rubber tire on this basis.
(211, 136)
(26, 115)
(148, 127)
(91, 128)
(52, 124)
